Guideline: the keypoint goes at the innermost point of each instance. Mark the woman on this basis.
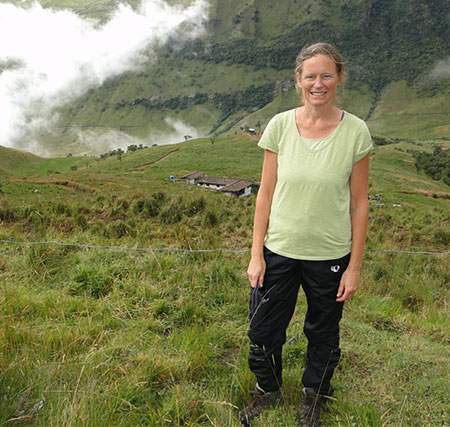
(309, 229)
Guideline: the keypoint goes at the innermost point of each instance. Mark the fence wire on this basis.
(233, 251)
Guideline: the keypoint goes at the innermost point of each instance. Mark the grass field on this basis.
(114, 337)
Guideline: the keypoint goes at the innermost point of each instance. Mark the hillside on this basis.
(16, 162)
(108, 336)
(240, 72)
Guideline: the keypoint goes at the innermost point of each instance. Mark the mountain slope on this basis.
(242, 69)
(15, 162)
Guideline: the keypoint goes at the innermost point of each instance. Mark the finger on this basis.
(254, 280)
(340, 290)
(342, 293)
(258, 281)
(348, 293)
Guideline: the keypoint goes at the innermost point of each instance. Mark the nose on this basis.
(318, 82)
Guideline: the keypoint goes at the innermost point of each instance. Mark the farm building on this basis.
(238, 188)
(228, 186)
(193, 176)
(213, 182)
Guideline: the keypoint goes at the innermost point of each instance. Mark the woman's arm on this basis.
(257, 266)
(359, 212)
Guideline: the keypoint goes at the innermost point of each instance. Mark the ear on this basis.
(298, 80)
(341, 79)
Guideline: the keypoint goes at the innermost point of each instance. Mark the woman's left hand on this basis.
(349, 285)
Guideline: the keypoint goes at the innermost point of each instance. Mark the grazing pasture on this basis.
(115, 336)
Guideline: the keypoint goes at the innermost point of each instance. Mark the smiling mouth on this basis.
(318, 93)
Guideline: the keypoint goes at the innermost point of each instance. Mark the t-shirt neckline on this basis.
(320, 143)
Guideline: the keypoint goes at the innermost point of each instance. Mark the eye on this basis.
(309, 77)
(327, 76)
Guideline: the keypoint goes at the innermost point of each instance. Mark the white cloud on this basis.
(180, 130)
(98, 142)
(52, 57)
(441, 70)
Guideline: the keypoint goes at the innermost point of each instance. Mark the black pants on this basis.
(276, 302)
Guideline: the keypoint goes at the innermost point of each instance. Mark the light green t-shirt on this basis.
(310, 212)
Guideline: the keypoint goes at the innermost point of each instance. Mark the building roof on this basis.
(236, 186)
(194, 175)
(215, 181)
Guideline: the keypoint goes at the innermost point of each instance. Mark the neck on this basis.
(315, 114)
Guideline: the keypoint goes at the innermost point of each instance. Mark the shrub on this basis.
(436, 164)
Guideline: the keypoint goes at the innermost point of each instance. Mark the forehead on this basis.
(319, 64)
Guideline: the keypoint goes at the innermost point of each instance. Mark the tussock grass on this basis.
(111, 337)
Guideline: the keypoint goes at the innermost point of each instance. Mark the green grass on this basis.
(17, 162)
(112, 337)
(404, 112)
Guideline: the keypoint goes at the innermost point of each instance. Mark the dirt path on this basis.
(158, 160)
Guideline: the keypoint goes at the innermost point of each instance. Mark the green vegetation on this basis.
(411, 111)
(115, 337)
(98, 337)
(17, 162)
(436, 164)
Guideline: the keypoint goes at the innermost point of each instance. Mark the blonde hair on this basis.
(320, 49)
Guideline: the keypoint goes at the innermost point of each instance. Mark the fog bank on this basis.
(53, 57)
(97, 143)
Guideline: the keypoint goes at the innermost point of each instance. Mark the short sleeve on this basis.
(270, 137)
(363, 143)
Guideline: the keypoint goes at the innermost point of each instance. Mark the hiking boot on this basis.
(309, 411)
(261, 401)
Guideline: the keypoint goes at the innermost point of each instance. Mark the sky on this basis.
(49, 58)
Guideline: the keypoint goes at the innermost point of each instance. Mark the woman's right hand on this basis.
(256, 270)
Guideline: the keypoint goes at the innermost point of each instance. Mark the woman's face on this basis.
(319, 80)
